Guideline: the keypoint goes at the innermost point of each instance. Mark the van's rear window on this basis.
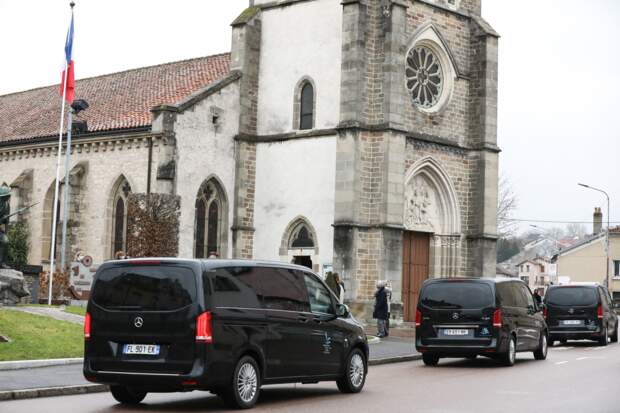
(146, 288)
(459, 294)
(572, 296)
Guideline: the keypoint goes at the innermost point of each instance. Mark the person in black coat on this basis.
(381, 309)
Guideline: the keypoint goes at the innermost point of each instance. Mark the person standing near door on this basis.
(339, 288)
(381, 309)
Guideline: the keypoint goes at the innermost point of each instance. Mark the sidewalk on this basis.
(68, 378)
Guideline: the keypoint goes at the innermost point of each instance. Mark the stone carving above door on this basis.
(421, 206)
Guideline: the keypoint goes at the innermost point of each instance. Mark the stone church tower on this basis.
(415, 189)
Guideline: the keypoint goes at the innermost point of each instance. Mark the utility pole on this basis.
(607, 281)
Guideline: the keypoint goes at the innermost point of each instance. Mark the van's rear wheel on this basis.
(541, 352)
(509, 357)
(614, 337)
(430, 359)
(127, 395)
(245, 386)
(354, 373)
(604, 338)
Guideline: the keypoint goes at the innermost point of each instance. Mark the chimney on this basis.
(597, 220)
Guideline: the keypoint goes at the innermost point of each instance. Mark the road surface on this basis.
(578, 377)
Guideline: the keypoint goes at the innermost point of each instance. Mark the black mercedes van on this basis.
(467, 317)
(580, 312)
(227, 326)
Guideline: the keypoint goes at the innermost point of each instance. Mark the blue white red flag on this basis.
(68, 67)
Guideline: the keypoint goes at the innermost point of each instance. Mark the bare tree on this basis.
(576, 230)
(506, 204)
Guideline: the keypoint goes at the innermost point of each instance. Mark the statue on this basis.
(5, 213)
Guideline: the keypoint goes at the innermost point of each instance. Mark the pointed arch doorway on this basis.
(431, 240)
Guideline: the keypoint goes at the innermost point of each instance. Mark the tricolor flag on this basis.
(68, 66)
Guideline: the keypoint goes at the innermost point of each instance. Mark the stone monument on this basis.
(12, 283)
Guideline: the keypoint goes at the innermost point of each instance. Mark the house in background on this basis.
(586, 260)
(538, 273)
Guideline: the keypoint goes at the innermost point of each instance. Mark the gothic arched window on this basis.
(301, 238)
(119, 214)
(210, 234)
(306, 107)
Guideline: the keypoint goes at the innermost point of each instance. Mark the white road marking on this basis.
(582, 358)
(560, 348)
(561, 362)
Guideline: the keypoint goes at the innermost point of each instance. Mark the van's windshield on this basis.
(145, 288)
(461, 295)
(572, 296)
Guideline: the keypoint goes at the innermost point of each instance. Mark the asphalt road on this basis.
(578, 377)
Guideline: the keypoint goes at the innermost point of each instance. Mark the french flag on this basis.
(68, 67)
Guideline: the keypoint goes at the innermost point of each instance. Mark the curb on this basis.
(98, 388)
(29, 364)
(52, 391)
(395, 359)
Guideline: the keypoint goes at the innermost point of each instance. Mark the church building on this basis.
(357, 136)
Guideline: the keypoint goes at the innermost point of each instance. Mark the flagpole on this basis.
(57, 182)
(65, 209)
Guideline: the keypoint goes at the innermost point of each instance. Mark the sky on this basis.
(558, 87)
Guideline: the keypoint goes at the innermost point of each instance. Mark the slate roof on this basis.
(117, 101)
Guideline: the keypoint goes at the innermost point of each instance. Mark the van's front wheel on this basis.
(354, 373)
(243, 394)
(127, 395)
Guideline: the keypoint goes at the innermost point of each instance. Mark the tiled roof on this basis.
(117, 101)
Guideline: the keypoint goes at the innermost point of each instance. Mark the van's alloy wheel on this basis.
(614, 337)
(510, 355)
(354, 373)
(127, 395)
(541, 352)
(604, 338)
(245, 386)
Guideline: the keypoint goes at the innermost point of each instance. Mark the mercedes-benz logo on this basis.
(571, 311)
(138, 322)
(455, 316)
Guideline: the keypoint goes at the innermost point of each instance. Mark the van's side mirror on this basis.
(342, 310)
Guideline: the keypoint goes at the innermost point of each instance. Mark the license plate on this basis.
(572, 322)
(455, 332)
(145, 349)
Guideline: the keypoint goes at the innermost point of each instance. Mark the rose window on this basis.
(424, 77)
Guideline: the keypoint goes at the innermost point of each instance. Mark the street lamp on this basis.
(606, 232)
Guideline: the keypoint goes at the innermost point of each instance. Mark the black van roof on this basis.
(488, 280)
(207, 264)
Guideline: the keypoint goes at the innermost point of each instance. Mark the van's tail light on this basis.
(204, 333)
(497, 318)
(418, 318)
(545, 312)
(599, 312)
(87, 326)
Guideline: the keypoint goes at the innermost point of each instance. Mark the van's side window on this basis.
(320, 300)
(520, 298)
(529, 300)
(236, 287)
(506, 294)
(283, 289)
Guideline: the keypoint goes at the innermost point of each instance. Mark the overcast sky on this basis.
(558, 78)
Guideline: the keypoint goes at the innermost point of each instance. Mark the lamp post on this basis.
(607, 283)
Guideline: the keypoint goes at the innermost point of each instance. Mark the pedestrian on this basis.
(381, 309)
(537, 298)
(330, 280)
(339, 288)
(388, 292)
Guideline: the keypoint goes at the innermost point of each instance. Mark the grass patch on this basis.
(35, 337)
(75, 310)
